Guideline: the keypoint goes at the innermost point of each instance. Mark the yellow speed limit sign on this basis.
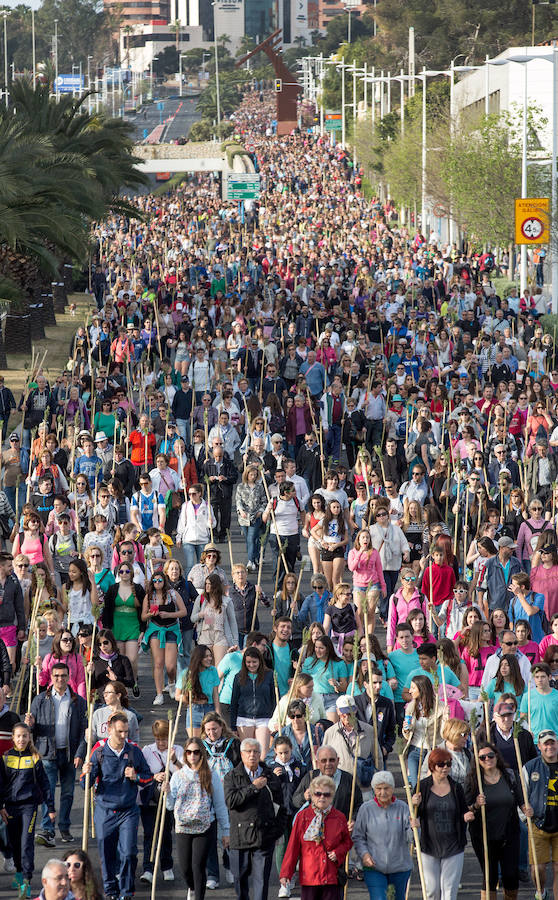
(532, 220)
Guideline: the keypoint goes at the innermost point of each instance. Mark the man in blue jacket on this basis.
(541, 779)
(118, 768)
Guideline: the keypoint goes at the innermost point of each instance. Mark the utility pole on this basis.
(56, 58)
(5, 14)
(33, 50)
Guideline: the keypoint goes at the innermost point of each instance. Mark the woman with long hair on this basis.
(526, 644)
(161, 610)
(80, 596)
(203, 680)
(251, 502)
(500, 794)
(107, 663)
(368, 577)
(33, 542)
(253, 699)
(223, 754)
(499, 622)
(332, 534)
(213, 615)
(49, 595)
(196, 795)
(422, 722)
(328, 672)
(25, 787)
(471, 615)
(478, 647)
(288, 602)
(64, 649)
(311, 520)
(413, 528)
(122, 614)
(83, 881)
(508, 679)
(418, 624)
(115, 696)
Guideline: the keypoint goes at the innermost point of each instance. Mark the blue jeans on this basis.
(333, 442)
(63, 767)
(413, 759)
(251, 534)
(10, 493)
(192, 555)
(183, 428)
(183, 659)
(378, 883)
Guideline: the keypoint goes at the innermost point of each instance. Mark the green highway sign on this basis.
(242, 186)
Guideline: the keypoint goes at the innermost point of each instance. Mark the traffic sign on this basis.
(532, 220)
(241, 186)
(68, 84)
(160, 105)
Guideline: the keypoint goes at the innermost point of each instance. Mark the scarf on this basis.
(107, 656)
(315, 830)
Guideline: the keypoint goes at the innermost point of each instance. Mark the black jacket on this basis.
(254, 824)
(126, 474)
(23, 780)
(512, 824)
(182, 404)
(120, 665)
(221, 490)
(252, 700)
(385, 715)
(342, 799)
(422, 813)
(42, 710)
(12, 604)
(394, 468)
(527, 749)
(308, 461)
(5, 664)
(243, 605)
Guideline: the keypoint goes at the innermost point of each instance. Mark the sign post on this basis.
(68, 84)
(241, 186)
(532, 220)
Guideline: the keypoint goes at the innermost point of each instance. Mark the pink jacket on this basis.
(75, 665)
(399, 609)
(366, 568)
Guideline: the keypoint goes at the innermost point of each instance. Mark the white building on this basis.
(145, 42)
(506, 80)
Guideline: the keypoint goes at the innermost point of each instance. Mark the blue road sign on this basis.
(145, 133)
(67, 84)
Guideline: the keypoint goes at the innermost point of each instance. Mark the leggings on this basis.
(503, 854)
(192, 851)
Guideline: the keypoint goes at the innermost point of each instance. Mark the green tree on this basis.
(166, 62)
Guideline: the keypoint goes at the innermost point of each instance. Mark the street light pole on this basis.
(89, 58)
(523, 257)
(423, 160)
(5, 14)
(554, 176)
(33, 53)
(343, 102)
(56, 58)
(218, 98)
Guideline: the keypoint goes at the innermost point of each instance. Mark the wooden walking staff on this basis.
(473, 722)
(355, 662)
(293, 683)
(400, 743)
(302, 568)
(351, 805)
(277, 700)
(279, 544)
(364, 606)
(263, 540)
(443, 675)
(87, 798)
(517, 727)
(163, 814)
(209, 504)
(311, 739)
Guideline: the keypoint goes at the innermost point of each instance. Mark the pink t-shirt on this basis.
(475, 667)
(532, 651)
(547, 641)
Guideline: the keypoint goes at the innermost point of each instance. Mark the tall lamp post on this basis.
(153, 59)
(5, 13)
(217, 92)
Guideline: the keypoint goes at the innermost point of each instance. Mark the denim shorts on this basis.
(199, 710)
(330, 701)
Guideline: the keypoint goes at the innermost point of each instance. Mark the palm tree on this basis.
(176, 26)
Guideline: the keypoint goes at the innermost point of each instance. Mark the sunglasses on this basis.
(510, 643)
(381, 515)
(296, 716)
(74, 865)
(158, 580)
(444, 765)
(125, 571)
(66, 640)
(409, 578)
(487, 756)
(104, 643)
(195, 752)
(321, 794)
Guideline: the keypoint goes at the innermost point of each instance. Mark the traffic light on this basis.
(278, 85)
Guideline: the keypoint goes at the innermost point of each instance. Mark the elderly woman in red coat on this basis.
(319, 841)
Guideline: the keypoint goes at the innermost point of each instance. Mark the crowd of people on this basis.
(357, 401)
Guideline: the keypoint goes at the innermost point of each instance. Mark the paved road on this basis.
(471, 882)
(182, 109)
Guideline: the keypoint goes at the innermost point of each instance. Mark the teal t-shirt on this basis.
(402, 663)
(544, 711)
(282, 666)
(209, 678)
(321, 675)
(229, 667)
(495, 695)
(450, 676)
(387, 671)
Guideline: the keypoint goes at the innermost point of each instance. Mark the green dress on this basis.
(125, 626)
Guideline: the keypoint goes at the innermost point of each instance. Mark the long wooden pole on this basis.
(372, 697)
(351, 804)
(163, 813)
(529, 820)
(483, 808)
(415, 829)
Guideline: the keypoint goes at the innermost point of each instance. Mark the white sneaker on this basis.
(147, 876)
(9, 865)
(190, 895)
(168, 875)
(159, 700)
(212, 885)
(250, 567)
(171, 689)
(229, 877)
(284, 890)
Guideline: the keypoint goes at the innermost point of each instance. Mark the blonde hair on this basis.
(342, 586)
(239, 567)
(453, 730)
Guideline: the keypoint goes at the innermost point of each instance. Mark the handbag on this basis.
(342, 877)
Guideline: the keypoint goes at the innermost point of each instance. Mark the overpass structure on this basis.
(203, 156)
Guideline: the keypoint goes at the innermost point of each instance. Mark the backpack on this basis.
(535, 532)
(401, 428)
(276, 501)
(219, 762)
(192, 810)
(410, 451)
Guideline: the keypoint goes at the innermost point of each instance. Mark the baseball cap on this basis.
(547, 735)
(14, 436)
(506, 541)
(345, 704)
(504, 707)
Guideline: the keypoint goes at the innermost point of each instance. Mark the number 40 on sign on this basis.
(532, 220)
